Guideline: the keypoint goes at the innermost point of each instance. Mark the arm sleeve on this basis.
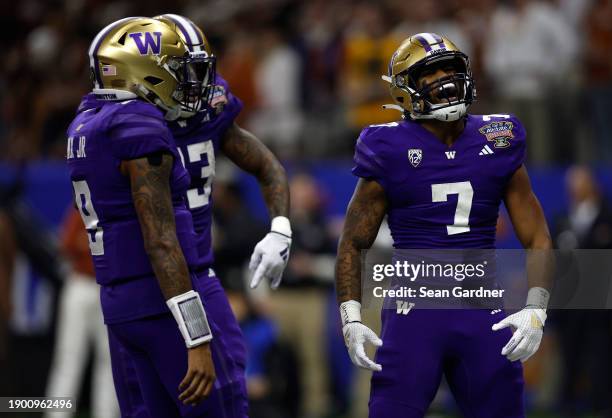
(368, 163)
(138, 129)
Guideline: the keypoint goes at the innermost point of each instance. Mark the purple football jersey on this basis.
(103, 134)
(440, 196)
(198, 140)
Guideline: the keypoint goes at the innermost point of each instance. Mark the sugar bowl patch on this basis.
(499, 132)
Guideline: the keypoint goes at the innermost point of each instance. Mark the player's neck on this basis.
(446, 132)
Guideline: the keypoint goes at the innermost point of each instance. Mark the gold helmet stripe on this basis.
(190, 31)
(95, 45)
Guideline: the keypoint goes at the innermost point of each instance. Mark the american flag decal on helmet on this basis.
(109, 70)
(95, 46)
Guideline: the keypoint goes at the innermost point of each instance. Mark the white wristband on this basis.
(538, 297)
(281, 225)
(190, 316)
(350, 311)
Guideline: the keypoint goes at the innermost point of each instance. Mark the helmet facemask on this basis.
(446, 98)
(197, 69)
(195, 75)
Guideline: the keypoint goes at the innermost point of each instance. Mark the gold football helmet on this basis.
(445, 99)
(146, 58)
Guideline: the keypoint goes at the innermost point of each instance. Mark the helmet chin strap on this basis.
(451, 113)
(174, 113)
(171, 113)
(393, 107)
(445, 114)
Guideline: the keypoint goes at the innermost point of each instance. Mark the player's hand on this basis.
(269, 259)
(355, 336)
(528, 325)
(200, 377)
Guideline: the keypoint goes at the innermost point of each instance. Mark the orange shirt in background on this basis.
(75, 243)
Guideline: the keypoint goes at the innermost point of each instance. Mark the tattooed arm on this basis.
(363, 218)
(248, 153)
(270, 255)
(150, 181)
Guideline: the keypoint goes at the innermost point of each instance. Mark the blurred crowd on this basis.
(308, 73)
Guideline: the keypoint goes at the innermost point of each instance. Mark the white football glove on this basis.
(271, 254)
(356, 335)
(528, 324)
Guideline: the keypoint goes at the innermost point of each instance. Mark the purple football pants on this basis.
(149, 360)
(420, 347)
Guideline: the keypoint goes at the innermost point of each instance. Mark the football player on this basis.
(439, 175)
(213, 129)
(129, 185)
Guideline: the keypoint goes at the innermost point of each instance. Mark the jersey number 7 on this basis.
(465, 193)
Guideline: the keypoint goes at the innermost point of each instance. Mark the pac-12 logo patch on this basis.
(415, 155)
(499, 132)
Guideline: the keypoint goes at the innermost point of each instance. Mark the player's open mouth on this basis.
(446, 92)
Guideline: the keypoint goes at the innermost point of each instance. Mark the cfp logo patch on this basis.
(415, 156)
(151, 42)
(499, 132)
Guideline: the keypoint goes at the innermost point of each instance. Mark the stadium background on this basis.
(308, 73)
